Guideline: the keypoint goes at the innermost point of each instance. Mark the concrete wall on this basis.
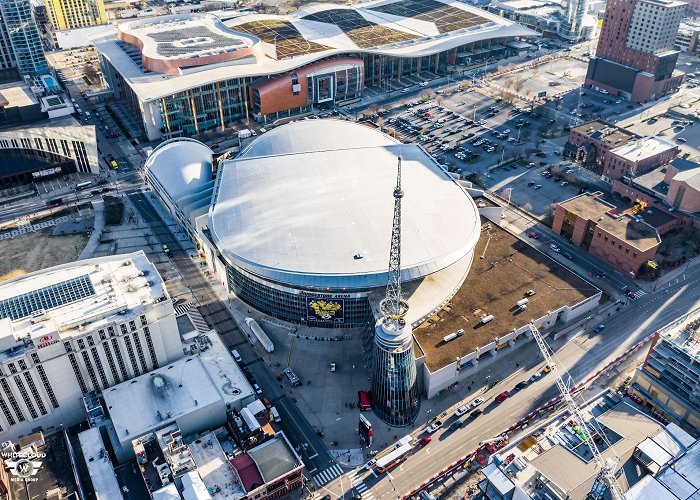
(447, 376)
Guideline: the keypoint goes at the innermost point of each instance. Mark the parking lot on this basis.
(469, 132)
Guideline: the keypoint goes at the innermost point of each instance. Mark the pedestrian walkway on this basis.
(359, 484)
(327, 475)
(639, 294)
(197, 320)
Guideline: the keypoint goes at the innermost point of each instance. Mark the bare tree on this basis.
(91, 74)
(518, 84)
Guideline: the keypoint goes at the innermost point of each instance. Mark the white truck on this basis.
(259, 335)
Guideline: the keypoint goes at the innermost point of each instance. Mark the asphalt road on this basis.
(580, 357)
(298, 430)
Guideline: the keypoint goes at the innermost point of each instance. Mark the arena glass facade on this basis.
(311, 308)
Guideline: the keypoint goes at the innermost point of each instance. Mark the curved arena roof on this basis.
(182, 166)
(303, 201)
(277, 44)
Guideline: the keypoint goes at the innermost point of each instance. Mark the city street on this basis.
(580, 357)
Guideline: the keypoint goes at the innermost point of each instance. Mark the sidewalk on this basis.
(667, 278)
(88, 252)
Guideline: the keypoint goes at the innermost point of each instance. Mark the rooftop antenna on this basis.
(393, 307)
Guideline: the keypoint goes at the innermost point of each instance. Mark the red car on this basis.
(533, 235)
(502, 397)
(425, 440)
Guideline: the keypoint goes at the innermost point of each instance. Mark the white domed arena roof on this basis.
(181, 166)
(310, 205)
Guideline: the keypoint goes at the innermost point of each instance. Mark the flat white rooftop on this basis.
(150, 401)
(214, 468)
(643, 148)
(311, 204)
(104, 480)
(76, 296)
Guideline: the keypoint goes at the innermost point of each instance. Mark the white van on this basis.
(275, 414)
(236, 356)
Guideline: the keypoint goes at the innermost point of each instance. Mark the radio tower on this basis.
(393, 307)
(394, 388)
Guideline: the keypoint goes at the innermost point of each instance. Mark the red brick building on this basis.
(614, 152)
(673, 188)
(620, 240)
(635, 58)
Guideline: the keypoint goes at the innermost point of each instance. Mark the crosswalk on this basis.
(359, 485)
(639, 294)
(328, 475)
(193, 313)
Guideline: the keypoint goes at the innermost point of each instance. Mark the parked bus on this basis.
(83, 185)
(388, 462)
(55, 202)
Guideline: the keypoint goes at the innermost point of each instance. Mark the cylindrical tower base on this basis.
(394, 388)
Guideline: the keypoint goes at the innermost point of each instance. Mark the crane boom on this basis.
(606, 475)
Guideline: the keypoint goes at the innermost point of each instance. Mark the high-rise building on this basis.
(573, 23)
(72, 14)
(20, 29)
(77, 328)
(668, 381)
(635, 58)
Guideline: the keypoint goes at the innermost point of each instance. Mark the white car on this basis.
(423, 84)
(257, 388)
(619, 101)
(555, 248)
(477, 402)
(434, 427)
(461, 411)
(370, 464)
(404, 91)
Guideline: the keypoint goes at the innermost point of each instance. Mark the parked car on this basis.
(502, 397)
(568, 255)
(475, 414)
(461, 411)
(535, 377)
(257, 388)
(599, 328)
(424, 441)
(434, 426)
(521, 385)
(478, 401)
(533, 235)
(555, 248)
(456, 425)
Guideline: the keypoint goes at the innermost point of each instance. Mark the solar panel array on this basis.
(286, 38)
(47, 298)
(365, 34)
(167, 48)
(445, 17)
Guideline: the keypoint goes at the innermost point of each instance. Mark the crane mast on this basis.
(606, 475)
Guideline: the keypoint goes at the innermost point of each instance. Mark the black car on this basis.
(521, 385)
(568, 255)
(475, 414)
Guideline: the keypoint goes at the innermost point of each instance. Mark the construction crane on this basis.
(606, 475)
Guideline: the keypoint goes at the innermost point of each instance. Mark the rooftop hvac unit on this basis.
(39, 316)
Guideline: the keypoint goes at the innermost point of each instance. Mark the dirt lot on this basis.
(33, 251)
(494, 284)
